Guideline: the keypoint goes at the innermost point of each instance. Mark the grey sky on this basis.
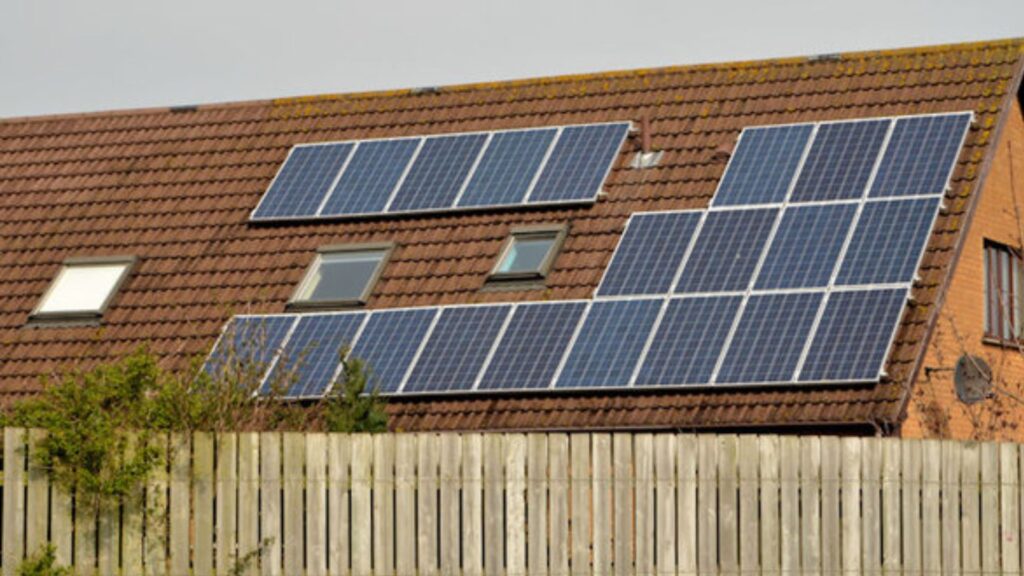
(74, 55)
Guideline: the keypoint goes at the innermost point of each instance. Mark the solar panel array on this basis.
(550, 165)
(757, 289)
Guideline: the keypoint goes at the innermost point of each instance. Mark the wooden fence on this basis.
(537, 504)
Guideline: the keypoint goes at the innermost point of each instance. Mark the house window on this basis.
(341, 276)
(528, 253)
(82, 289)
(1003, 292)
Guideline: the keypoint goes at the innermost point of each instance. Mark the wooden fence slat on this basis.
(472, 505)
(871, 486)
(851, 529)
(108, 538)
(494, 505)
(686, 504)
(558, 527)
(132, 543)
(749, 481)
(931, 525)
(601, 486)
(665, 503)
(426, 535)
(383, 504)
(970, 495)
(537, 504)
(789, 479)
(270, 503)
(316, 504)
(643, 471)
(180, 456)
(405, 504)
(87, 534)
(338, 503)
(831, 547)
(580, 503)
(910, 458)
(515, 503)
(728, 515)
(769, 505)
(14, 499)
(451, 479)
(227, 502)
(155, 523)
(950, 502)
(62, 528)
(1009, 500)
(810, 503)
(707, 504)
(37, 503)
(890, 506)
(202, 503)
(990, 516)
(293, 455)
(248, 554)
(360, 519)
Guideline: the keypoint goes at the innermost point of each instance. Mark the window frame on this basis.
(40, 316)
(558, 233)
(994, 271)
(295, 302)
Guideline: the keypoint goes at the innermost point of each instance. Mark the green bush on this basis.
(43, 562)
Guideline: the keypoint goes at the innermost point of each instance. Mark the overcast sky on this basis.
(77, 55)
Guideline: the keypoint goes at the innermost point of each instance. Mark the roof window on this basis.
(341, 276)
(83, 288)
(528, 253)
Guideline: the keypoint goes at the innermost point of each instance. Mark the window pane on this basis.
(526, 254)
(989, 300)
(1004, 294)
(1016, 304)
(82, 288)
(341, 276)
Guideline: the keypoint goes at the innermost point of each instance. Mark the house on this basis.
(143, 227)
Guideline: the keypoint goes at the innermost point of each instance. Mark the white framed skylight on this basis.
(83, 288)
(528, 253)
(341, 276)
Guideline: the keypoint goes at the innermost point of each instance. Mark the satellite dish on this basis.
(972, 379)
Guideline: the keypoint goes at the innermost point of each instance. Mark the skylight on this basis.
(341, 276)
(83, 288)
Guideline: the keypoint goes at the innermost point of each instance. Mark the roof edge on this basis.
(517, 83)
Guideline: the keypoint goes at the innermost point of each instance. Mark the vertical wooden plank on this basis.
(472, 505)
(451, 476)
(537, 504)
(180, 457)
(62, 531)
(426, 536)
(580, 503)
(338, 502)
(248, 501)
(14, 499)
(1009, 499)
(831, 547)
(405, 504)
(37, 503)
(361, 519)
(643, 471)
(891, 558)
(383, 504)
(558, 468)
(665, 503)
(990, 516)
(931, 525)
(686, 504)
(770, 526)
(202, 503)
(728, 517)
(810, 503)
(950, 502)
(851, 501)
(515, 503)
(316, 504)
(108, 535)
(494, 514)
(293, 457)
(601, 486)
(707, 504)
(155, 547)
(871, 507)
(87, 534)
(910, 454)
(227, 502)
(790, 504)
(132, 544)
(970, 494)
(270, 503)
(750, 547)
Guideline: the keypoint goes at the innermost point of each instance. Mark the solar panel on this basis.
(840, 161)
(438, 172)
(888, 242)
(763, 165)
(649, 253)
(727, 250)
(303, 181)
(370, 177)
(609, 343)
(532, 346)
(456, 349)
(388, 345)
(920, 155)
(248, 345)
(579, 162)
(769, 338)
(853, 336)
(806, 246)
(688, 341)
(507, 167)
(312, 355)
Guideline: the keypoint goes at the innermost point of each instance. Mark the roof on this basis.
(175, 187)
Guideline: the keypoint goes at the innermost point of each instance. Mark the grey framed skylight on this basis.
(83, 288)
(528, 253)
(341, 276)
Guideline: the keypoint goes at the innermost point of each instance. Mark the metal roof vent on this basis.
(426, 90)
(829, 57)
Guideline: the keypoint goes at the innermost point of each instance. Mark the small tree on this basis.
(352, 406)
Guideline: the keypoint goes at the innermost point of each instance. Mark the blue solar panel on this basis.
(806, 246)
(578, 164)
(920, 155)
(609, 344)
(388, 344)
(457, 349)
(853, 336)
(840, 161)
(303, 181)
(763, 166)
(507, 167)
(370, 177)
(532, 346)
(769, 338)
(312, 355)
(888, 242)
(649, 253)
(727, 250)
(689, 341)
(248, 345)
(438, 172)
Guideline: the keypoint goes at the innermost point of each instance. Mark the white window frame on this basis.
(296, 301)
(556, 232)
(40, 315)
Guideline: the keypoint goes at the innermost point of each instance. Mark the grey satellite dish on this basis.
(972, 379)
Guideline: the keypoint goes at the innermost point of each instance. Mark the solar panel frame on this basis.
(782, 269)
(326, 211)
(684, 217)
(347, 147)
(783, 187)
(319, 352)
(715, 235)
(966, 117)
(441, 168)
(532, 200)
(859, 170)
(497, 139)
(227, 330)
(409, 320)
